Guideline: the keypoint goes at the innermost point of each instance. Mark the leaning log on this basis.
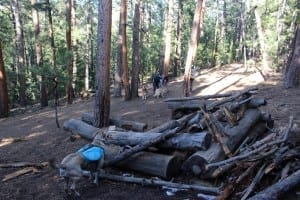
(280, 188)
(121, 123)
(85, 130)
(197, 162)
(157, 182)
(182, 141)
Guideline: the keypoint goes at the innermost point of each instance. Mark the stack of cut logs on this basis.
(221, 137)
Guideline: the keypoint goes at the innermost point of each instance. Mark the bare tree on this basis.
(193, 43)
(102, 96)
(3, 87)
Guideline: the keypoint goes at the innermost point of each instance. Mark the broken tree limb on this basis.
(158, 182)
(182, 141)
(280, 188)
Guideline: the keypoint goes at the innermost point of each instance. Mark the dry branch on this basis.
(19, 173)
(273, 192)
(158, 182)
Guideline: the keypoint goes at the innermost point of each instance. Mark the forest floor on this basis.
(37, 139)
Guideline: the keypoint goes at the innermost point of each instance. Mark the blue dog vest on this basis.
(91, 152)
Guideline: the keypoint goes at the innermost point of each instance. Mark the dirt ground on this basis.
(40, 139)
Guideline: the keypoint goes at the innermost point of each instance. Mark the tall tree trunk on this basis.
(74, 46)
(118, 70)
(88, 47)
(293, 70)
(51, 36)
(243, 27)
(178, 50)
(39, 55)
(70, 92)
(125, 70)
(135, 52)
(193, 43)
(265, 57)
(20, 52)
(215, 47)
(102, 96)
(3, 87)
(168, 38)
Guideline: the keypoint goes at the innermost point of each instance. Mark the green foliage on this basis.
(228, 49)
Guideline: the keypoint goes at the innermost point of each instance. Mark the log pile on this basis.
(224, 139)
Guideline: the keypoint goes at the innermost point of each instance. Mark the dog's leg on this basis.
(66, 184)
(73, 187)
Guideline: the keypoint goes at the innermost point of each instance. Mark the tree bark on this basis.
(102, 95)
(4, 110)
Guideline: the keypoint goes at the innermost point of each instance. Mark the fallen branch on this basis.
(19, 173)
(23, 164)
(159, 182)
(279, 188)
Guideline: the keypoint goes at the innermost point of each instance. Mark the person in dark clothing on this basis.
(156, 82)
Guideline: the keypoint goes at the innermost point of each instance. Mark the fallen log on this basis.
(121, 123)
(164, 166)
(198, 161)
(158, 182)
(280, 188)
(122, 156)
(79, 127)
(182, 141)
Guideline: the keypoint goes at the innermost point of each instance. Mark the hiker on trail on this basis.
(156, 81)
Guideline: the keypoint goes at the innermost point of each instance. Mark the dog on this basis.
(89, 160)
(159, 93)
(144, 92)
